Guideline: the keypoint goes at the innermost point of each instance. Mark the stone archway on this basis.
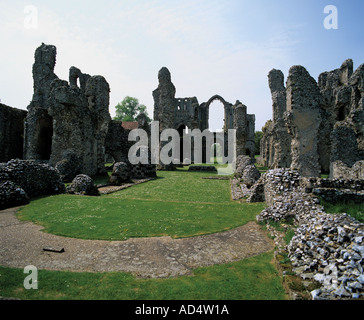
(228, 116)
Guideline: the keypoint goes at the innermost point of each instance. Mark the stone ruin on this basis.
(67, 127)
(317, 127)
(326, 248)
(21, 180)
(11, 132)
(67, 122)
(179, 113)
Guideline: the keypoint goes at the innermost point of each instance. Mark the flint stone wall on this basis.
(64, 118)
(341, 171)
(34, 177)
(326, 248)
(11, 195)
(11, 132)
(336, 190)
(324, 120)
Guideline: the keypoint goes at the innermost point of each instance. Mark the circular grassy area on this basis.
(176, 204)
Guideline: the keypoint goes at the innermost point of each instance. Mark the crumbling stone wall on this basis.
(177, 113)
(343, 100)
(315, 123)
(245, 181)
(11, 132)
(341, 171)
(276, 141)
(117, 145)
(38, 129)
(165, 103)
(81, 122)
(24, 179)
(303, 119)
(326, 248)
(65, 119)
(240, 122)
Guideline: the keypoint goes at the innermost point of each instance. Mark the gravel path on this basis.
(22, 243)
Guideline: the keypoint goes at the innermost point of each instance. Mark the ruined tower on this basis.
(66, 123)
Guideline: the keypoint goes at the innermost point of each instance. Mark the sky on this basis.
(224, 47)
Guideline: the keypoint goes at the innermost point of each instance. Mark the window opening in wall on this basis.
(216, 116)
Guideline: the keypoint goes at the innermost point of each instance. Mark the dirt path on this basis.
(22, 243)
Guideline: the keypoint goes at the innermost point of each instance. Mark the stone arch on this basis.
(227, 110)
(215, 97)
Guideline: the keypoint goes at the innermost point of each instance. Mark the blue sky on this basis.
(224, 47)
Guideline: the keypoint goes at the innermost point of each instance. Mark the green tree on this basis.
(129, 109)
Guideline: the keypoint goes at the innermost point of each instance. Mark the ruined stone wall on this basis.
(117, 144)
(240, 122)
(176, 113)
(327, 248)
(66, 121)
(315, 123)
(276, 142)
(250, 136)
(38, 127)
(164, 100)
(341, 171)
(303, 119)
(81, 122)
(11, 132)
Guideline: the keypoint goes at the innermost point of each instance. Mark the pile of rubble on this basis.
(24, 179)
(82, 184)
(11, 195)
(330, 249)
(326, 248)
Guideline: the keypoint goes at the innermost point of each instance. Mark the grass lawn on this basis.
(177, 203)
(255, 278)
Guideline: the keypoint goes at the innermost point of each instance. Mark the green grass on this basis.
(255, 278)
(177, 204)
(356, 210)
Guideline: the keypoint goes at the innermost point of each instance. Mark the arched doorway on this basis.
(216, 116)
(216, 107)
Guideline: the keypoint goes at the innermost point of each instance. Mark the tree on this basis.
(129, 109)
